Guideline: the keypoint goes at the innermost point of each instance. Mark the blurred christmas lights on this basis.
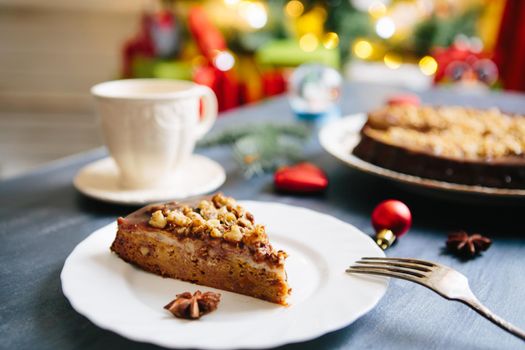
(363, 49)
(294, 8)
(392, 60)
(377, 9)
(428, 65)
(224, 61)
(364, 5)
(385, 27)
(330, 40)
(254, 13)
(308, 42)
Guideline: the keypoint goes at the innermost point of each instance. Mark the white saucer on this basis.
(100, 180)
(117, 296)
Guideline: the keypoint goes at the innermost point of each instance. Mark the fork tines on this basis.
(411, 269)
(443, 280)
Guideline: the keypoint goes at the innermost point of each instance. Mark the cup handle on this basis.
(210, 111)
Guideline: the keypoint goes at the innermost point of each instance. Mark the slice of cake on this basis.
(453, 144)
(212, 242)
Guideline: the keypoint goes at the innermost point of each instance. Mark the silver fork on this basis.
(443, 280)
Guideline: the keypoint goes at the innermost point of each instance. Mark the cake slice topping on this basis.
(217, 218)
(450, 131)
(212, 241)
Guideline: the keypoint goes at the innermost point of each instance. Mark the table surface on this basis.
(42, 218)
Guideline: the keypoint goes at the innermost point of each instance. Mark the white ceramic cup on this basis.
(150, 126)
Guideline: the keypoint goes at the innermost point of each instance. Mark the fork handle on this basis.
(481, 309)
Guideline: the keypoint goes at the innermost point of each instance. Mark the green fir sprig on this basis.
(261, 148)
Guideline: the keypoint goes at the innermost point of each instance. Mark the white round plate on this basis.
(117, 296)
(340, 137)
(100, 180)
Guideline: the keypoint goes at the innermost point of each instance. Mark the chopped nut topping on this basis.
(244, 222)
(207, 210)
(282, 254)
(213, 223)
(186, 210)
(219, 218)
(229, 218)
(196, 219)
(455, 132)
(178, 218)
(238, 211)
(215, 233)
(230, 203)
(234, 234)
(158, 220)
(204, 204)
(219, 200)
(257, 234)
(209, 213)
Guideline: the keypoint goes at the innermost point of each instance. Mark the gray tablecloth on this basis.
(42, 218)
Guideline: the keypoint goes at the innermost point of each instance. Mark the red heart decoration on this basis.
(302, 178)
(404, 99)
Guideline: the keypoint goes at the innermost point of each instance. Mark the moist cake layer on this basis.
(203, 243)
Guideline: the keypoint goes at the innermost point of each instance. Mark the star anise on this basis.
(467, 246)
(193, 306)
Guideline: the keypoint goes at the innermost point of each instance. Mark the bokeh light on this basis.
(363, 49)
(392, 60)
(330, 40)
(364, 5)
(385, 27)
(254, 13)
(377, 9)
(428, 65)
(224, 61)
(294, 8)
(308, 42)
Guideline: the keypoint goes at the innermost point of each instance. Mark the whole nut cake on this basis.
(453, 144)
(212, 242)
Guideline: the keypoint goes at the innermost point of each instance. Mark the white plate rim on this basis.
(373, 250)
(143, 197)
(332, 138)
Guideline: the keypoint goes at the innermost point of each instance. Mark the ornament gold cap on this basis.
(385, 238)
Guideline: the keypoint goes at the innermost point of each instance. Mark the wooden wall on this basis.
(51, 52)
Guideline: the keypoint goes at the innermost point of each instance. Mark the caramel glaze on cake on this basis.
(452, 144)
(211, 241)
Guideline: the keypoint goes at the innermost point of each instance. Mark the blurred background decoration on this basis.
(245, 49)
(53, 51)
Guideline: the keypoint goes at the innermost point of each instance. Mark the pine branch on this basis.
(230, 136)
(261, 148)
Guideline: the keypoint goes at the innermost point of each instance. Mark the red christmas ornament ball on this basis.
(392, 215)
